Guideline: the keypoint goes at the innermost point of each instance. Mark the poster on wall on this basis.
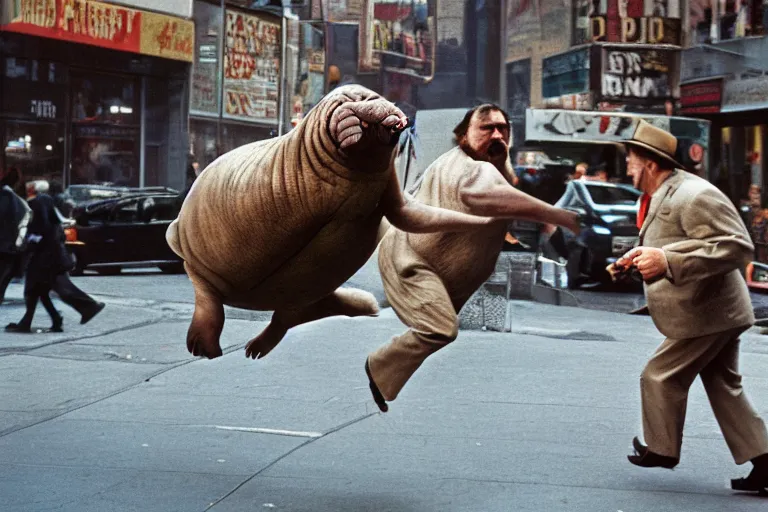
(637, 75)
(251, 68)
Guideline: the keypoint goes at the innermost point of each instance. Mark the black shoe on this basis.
(645, 458)
(757, 481)
(377, 396)
(12, 327)
(92, 312)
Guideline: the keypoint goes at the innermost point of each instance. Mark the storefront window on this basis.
(32, 99)
(105, 131)
(36, 150)
(202, 136)
(235, 135)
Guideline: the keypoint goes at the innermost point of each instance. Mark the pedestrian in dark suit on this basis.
(693, 249)
(14, 217)
(47, 270)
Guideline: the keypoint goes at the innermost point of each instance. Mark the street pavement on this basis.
(117, 415)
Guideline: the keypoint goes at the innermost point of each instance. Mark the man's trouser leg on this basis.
(742, 427)
(72, 295)
(665, 382)
(422, 303)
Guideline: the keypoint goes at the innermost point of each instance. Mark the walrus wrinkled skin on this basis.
(278, 225)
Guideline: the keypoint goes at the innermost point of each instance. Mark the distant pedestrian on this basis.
(61, 199)
(693, 249)
(15, 215)
(48, 266)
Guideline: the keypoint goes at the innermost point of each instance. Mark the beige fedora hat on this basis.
(657, 141)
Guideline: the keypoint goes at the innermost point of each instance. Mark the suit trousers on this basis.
(668, 376)
(71, 295)
(421, 301)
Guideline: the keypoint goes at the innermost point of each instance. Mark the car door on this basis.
(158, 213)
(122, 234)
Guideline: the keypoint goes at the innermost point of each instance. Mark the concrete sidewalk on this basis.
(540, 419)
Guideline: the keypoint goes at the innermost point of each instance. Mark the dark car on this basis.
(125, 230)
(609, 227)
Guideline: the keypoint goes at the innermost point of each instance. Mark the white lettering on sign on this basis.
(42, 109)
(635, 75)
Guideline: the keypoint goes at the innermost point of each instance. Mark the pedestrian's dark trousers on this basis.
(71, 295)
(8, 264)
(33, 293)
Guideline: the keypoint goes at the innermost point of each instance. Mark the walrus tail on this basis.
(172, 237)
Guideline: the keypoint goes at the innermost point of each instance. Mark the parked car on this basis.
(609, 227)
(127, 229)
(82, 194)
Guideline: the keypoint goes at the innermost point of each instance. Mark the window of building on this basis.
(105, 129)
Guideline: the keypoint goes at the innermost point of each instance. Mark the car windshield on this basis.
(613, 195)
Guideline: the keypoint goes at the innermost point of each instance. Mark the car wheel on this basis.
(109, 271)
(172, 268)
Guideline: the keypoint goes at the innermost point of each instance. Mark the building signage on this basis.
(251, 68)
(105, 25)
(701, 97)
(565, 74)
(745, 94)
(637, 74)
(642, 30)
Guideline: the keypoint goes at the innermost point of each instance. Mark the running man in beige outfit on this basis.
(428, 277)
(693, 247)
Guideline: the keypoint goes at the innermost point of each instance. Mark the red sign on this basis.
(105, 25)
(701, 97)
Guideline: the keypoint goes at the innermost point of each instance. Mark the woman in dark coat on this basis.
(47, 270)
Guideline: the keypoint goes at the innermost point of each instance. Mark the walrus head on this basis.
(363, 121)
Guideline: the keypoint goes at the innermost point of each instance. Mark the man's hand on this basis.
(650, 261)
(619, 269)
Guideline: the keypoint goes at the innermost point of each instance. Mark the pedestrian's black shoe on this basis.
(377, 396)
(92, 312)
(757, 481)
(645, 458)
(13, 327)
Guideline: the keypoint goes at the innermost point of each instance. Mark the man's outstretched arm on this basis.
(413, 216)
(486, 193)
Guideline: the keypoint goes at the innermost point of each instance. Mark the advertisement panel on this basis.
(566, 73)
(251, 67)
(701, 97)
(637, 74)
(105, 25)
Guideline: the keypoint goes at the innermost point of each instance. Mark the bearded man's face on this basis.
(487, 137)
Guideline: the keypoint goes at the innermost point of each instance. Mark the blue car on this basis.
(609, 228)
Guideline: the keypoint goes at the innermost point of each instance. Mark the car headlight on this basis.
(600, 230)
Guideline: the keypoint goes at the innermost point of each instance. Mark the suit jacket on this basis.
(707, 248)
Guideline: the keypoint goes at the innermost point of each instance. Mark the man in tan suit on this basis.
(429, 277)
(693, 247)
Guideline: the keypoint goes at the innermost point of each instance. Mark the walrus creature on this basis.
(278, 225)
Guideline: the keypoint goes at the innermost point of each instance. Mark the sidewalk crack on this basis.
(288, 453)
